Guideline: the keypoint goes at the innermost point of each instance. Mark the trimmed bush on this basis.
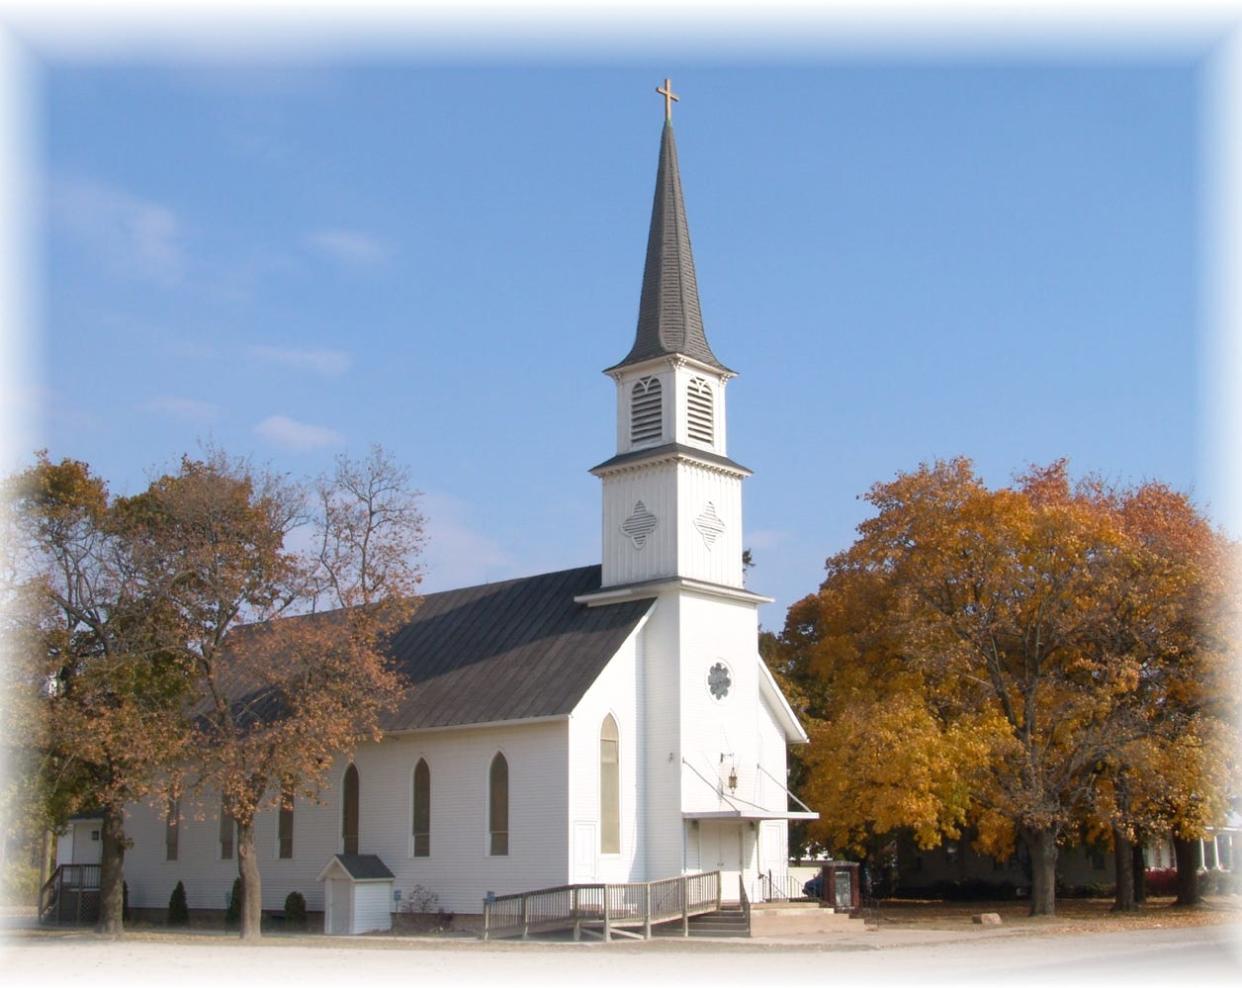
(1162, 881)
(178, 910)
(295, 911)
(232, 916)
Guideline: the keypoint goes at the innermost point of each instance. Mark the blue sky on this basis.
(904, 260)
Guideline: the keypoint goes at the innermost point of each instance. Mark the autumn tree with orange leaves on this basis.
(95, 685)
(988, 658)
(175, 642)
(286, 649)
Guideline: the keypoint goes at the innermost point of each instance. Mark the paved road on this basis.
(1181, 958)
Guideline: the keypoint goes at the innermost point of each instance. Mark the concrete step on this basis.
(723, 923)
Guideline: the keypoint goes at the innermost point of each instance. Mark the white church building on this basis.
(611, 723)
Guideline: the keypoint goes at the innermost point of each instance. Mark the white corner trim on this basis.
(793, 730)
(642, 623)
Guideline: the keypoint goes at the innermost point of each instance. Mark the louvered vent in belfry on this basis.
(646, 411)
(699, 420)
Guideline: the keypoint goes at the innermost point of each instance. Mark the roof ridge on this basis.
(512, 579)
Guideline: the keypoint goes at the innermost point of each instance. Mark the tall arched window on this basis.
(227, 829)
(609, 788)
(349, 812)
(646, 410)
(700, 419)
(172, 829)
(421, 810)
(498, 806)
(284, 825)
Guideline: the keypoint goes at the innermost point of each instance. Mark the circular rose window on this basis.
(719, 679)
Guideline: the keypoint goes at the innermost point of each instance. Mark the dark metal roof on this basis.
(681, 449)
(515, 650)
(363, 867)
(669, 318)
(507, 651)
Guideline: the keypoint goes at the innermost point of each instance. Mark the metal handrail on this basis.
(745, 900)
(780, 888)
(611, 907)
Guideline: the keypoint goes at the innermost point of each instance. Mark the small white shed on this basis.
(357, 894)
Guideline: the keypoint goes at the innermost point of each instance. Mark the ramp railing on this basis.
(604, 910)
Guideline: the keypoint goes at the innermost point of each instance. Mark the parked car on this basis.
(814, 889)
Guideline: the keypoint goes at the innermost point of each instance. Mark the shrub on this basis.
(21, 882)
(124, 902)
(975, 890)
(1214, 882)
(295, 911)
(1162, 881)
(178, 910)
(232, 915)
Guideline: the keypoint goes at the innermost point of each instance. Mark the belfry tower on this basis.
(672, 496)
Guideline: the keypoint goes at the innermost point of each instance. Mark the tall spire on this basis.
(669, 318)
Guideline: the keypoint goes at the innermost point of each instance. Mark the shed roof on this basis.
(359, 867)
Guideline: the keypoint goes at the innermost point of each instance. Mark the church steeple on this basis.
(672, 496)
(669, 318)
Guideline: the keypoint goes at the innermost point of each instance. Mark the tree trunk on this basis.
(1140, 874)
(47, 862)
(112, 873)
(251, 887)
(1042, 845)
(1189, 854)
(1123, 864)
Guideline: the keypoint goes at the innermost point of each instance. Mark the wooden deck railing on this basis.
(71, 895)
(602, 910)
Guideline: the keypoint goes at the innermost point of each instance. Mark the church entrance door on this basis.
(720, 849)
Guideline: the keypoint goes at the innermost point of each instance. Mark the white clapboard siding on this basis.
(458, 871)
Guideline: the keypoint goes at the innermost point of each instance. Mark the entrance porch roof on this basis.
(750, 813)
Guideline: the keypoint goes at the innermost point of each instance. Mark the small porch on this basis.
(71, 896)
(749, 847)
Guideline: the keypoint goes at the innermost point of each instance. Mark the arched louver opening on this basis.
(646, 410)
(609, 788)
(349, 814)
(422, 810)
(700, 420)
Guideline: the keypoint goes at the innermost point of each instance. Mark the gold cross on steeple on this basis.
(669, 99)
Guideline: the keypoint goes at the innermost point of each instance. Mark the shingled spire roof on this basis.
(669, 319)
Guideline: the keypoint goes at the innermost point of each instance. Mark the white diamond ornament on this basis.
(639, 525)
(709, 525)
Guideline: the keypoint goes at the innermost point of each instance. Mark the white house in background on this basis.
(609, 723)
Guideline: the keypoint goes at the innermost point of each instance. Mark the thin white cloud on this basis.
(320, 360)
(457, 553)
(348, 246)
(292, 434)
(190, 409)
(129, 235)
